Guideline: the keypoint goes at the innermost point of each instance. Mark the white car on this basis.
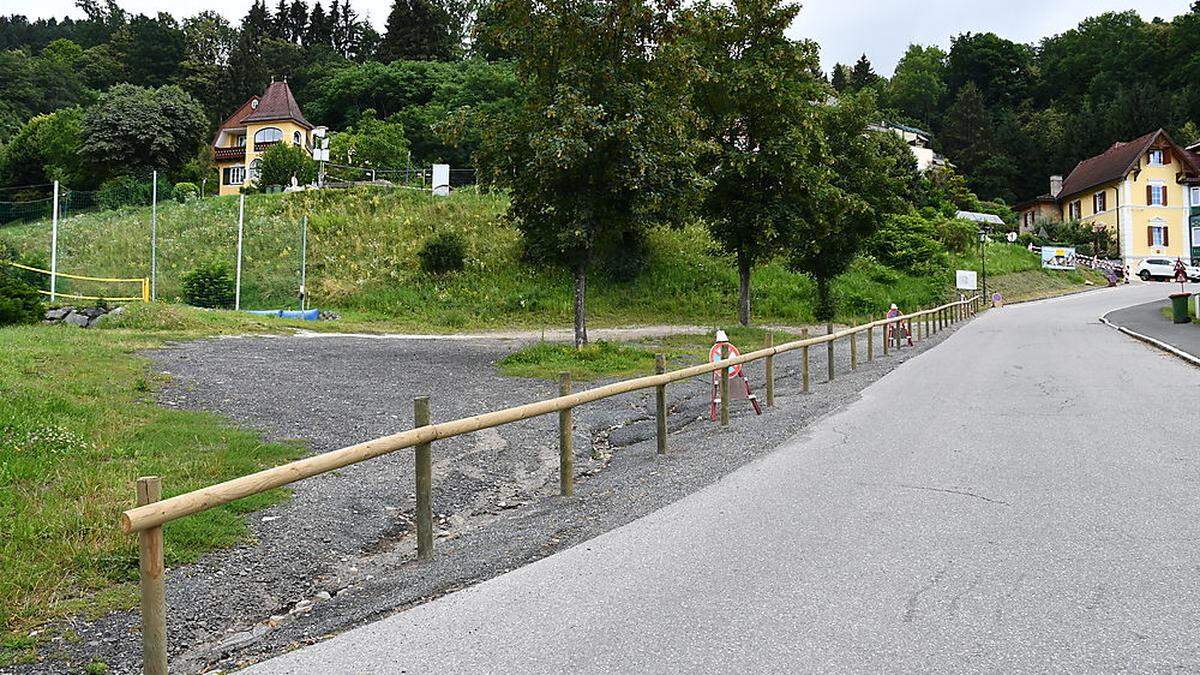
(1163, 268)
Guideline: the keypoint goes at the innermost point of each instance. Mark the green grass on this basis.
(547, 360)
(1018, 274)
(598, 359)
(77, 426)
(362, 256)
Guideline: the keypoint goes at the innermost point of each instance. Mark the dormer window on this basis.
(1156, 158)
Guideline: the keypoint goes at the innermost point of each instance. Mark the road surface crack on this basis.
(932, 488)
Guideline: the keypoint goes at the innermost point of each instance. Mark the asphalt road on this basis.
(1021, 498)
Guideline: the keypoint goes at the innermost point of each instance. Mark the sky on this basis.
(845, 29)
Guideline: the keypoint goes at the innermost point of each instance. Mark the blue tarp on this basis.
(306, 315)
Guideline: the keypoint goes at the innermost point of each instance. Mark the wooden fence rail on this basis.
(151, 514)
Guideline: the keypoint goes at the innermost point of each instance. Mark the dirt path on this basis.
(340, 552)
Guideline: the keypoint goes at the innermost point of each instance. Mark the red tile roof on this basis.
(277, 103)
(237, 119)
(1108, 165)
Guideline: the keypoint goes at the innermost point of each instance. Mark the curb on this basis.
(1175, 351)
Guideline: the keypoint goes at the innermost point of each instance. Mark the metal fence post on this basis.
(566, 457)
(153, 586)
(804, 354)
(660, 403)
(770, 368)
(829, 348)
(724, 386)
(424, 472)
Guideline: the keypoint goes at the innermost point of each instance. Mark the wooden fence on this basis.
(152, 512)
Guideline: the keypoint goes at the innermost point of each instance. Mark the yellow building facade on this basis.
(1140, 190)
(259, 123)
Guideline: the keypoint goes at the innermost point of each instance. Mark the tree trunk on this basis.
(580, 305)
(743, 289)
(824, 309)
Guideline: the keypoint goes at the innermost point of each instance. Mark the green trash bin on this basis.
(1179, 307)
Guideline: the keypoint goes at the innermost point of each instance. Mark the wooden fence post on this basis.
(424, 473)
(829, 349)
(888, 329)
(660, 403)
(724, 386)
(804, 355)
(566, 457)
(853, 351)
(770, 370)
(870, 339)
(153, 585)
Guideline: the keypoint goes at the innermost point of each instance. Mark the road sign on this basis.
(714, 355)
(966, 280)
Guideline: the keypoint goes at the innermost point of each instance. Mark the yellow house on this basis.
(1140, 190)
(258, 124)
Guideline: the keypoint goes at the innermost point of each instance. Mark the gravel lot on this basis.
(341, 552)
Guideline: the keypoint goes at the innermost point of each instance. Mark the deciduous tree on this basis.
(602, 147)
(755, 93)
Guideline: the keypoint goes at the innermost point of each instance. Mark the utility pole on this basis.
(237, 293)
(154, 236)
(303, 263)
(983, 237)
(54, 247)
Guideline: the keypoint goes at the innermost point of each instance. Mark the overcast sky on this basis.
(845, 28)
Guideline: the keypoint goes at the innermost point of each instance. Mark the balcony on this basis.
(260, 146)
(229, 154)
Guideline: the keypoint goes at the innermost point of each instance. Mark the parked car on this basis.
(1163, 268)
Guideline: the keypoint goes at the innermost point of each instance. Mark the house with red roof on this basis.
(1144, 191)
(259, 123)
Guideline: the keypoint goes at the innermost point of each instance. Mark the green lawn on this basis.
(77, 426)
(362, 262)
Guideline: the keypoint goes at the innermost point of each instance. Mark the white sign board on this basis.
(441, 179)
(965, 280)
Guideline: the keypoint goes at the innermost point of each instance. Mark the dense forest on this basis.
(1006, 114)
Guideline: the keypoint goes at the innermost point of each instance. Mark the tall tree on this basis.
(918, 85)
(319, 31)
(840, 77)
(134, 129)
(417, 30)
(602, 147)
(297, 15)
(754, 95)
(150, 49)
(864, 176)
(862, 75)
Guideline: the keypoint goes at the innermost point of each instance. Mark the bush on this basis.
(19, 302)
(282, 161)
(125, 191)
(209, 285)
(444, 252)
(907, 243)
(958, 236)
(186, 192)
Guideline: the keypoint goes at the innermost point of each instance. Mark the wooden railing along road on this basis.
(152, 512)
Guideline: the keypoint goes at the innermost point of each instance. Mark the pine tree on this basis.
(417, 30)
(248, 73)
(840, 77)
(862, 76)
(318, 32)
(297, 21)
(279, 27)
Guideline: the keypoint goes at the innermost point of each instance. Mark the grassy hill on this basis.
(362, 261)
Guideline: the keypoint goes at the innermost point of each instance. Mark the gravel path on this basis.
(340, 553)
(993, 507)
